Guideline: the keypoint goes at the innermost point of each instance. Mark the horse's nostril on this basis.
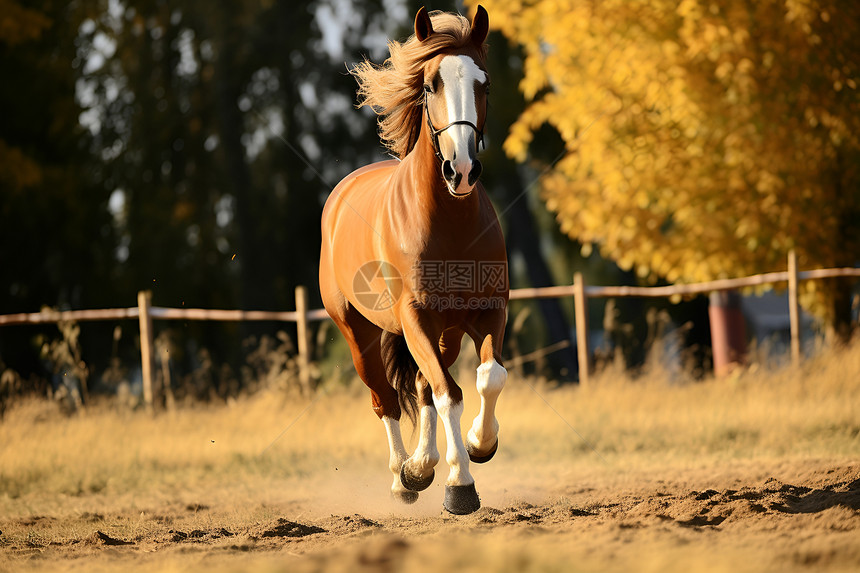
(476, 171)
(448, 171)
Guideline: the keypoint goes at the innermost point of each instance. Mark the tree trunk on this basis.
(523, 237)
(229, 84)
(839, 328)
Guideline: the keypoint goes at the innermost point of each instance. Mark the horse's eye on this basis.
(428, 89)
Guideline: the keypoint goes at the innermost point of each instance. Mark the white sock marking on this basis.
(397, 451)
(456, 456)
(485, 428)
(426, 454)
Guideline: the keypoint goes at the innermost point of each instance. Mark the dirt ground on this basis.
(760, 472)
(800, 515)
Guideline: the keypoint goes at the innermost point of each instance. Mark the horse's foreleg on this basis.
(460, 494)
(483, 437)
(417, 473)
(422, 336)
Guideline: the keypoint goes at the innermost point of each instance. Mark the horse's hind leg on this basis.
(364, 339)
(417, 471)
(482, 440)
(397, 455)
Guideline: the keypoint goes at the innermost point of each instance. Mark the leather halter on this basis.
(434, 133)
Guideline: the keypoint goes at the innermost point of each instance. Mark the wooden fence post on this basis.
(793, 308)
(580, 309)
(144, 303)
(304, 340)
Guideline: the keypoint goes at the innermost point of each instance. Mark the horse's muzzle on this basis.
(476, 171)
(451, 175)
(454, 176)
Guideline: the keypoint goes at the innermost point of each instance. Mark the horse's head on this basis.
(456, 85)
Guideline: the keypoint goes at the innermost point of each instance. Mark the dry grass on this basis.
(241, 467)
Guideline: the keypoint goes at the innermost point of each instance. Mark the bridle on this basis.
(434, 133)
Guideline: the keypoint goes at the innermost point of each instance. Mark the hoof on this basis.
(413, 483)
(461, 499)
(406, 497)
(480, 457)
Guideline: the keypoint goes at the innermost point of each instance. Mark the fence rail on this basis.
(681, 290)
(579, 290)
(48, 316)
(160, 312)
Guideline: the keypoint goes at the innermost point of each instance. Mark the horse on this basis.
(413, 255)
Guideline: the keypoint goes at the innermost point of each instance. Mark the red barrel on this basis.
(728, 331)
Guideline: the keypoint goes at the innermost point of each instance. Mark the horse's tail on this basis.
(401, 370)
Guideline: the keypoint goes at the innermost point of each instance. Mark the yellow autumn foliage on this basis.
(704, 139)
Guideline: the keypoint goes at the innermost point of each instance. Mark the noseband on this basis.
(434, 133)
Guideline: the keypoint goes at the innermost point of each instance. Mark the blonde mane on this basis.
(395, 90)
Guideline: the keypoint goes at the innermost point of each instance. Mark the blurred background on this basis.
(187, 148)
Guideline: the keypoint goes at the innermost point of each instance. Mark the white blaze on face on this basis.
(459, 74)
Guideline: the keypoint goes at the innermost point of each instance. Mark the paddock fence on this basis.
(581, 292)
(145, 312)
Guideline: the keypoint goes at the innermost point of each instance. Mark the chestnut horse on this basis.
(413, 256)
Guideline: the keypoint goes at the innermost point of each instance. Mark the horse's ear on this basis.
(480, 26)
(423, 26)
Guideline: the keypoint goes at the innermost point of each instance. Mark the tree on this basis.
(704, 139)
(211, 122)
(18, 171)
(55, 231)
(174, 146)
(508, 189)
